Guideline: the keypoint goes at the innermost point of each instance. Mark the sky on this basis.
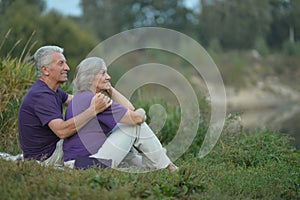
(66, 7)
(71, 7)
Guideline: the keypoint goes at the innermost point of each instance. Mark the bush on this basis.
(255, 149)
(261, 46)
(15, 77)
(173, 118)
(215, 46)
(253, 165)
(291, 48)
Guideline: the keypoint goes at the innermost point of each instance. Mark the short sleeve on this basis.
(63, 95)
(48, 107)
(111, 116)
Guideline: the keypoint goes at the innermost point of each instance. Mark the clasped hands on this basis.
(101, 102)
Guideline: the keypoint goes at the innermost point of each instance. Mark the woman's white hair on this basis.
(85, 72)
(43, 57)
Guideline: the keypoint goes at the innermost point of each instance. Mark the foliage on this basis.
(233, 68)
(291, 48)
(215, 46)
(107, 18)
(271, 171)
(260, 156)
(231, 22)
(50, 28)
(255, 149)
(261, 46)
(17, 27)
(75, 40)
(16, 76)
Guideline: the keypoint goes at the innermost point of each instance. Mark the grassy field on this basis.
(243, 165)
(259, 165)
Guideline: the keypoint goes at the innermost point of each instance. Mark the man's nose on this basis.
(67, 67)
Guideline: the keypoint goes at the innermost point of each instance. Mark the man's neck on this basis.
(51, 85)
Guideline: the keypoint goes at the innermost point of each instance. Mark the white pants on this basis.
(118, 145)
(57, 157)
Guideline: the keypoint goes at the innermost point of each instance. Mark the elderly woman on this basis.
(113, 134)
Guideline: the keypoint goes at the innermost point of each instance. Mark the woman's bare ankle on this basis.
(172, 167)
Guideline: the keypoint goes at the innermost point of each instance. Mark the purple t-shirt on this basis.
(39, 106)
(88, 140)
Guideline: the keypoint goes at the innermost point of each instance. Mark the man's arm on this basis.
(68, 99)
(64, 129)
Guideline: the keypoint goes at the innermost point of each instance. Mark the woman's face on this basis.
(101, 81)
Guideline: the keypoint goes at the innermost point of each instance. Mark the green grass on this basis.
(237, 169)
(243, 165)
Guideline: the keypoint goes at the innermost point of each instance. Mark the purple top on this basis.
(88, 140)
(39, 106)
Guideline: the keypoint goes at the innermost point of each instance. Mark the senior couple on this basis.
(101, 127)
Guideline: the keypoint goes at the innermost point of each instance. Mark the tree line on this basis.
(221, 25)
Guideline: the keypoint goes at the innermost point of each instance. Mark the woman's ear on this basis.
(45, 70)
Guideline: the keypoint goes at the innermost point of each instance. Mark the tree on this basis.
(279, 27)
(20, 24)
(235, 23)
(293, 20)
(54, 29)
(49, 28)
(107, 17)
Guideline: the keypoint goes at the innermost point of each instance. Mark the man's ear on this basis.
(45, 70)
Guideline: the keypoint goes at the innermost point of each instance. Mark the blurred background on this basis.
(254, 43)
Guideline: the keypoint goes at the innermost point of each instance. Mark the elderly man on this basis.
(40, 119)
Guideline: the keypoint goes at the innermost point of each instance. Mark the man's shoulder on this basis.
(37, 87)
(38, 91)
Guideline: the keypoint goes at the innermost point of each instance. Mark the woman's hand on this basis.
(142, 113)
(110, 91)
(134, 117)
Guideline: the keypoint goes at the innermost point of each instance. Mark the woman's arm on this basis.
(64, 129)
(134, 117)
(117, 97)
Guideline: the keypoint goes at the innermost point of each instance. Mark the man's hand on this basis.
(100, 102)
(64, 129)
(68, 99)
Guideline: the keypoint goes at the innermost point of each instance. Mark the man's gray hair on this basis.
(86, 71)
(43, 57)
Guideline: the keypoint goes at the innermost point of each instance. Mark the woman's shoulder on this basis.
(82, 99)
(79, 103)
(84, 95)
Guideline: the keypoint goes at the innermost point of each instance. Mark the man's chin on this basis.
(63, 81)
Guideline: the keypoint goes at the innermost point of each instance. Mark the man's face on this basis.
(58, 68)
